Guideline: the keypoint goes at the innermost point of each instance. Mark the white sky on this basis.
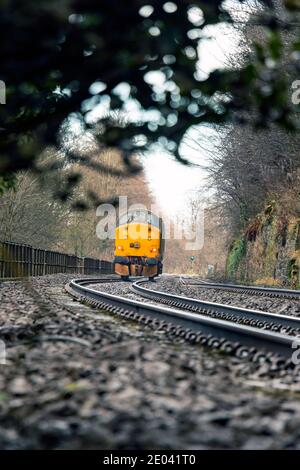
(173, 183)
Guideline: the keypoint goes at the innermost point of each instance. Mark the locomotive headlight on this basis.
(120, 247)
(154, 250)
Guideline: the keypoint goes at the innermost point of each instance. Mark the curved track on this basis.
(261, 291)
(255, 318)
(220, 326)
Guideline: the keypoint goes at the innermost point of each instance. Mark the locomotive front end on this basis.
(138, 245)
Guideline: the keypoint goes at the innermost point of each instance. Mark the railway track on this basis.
(261, 291)
(230, 329)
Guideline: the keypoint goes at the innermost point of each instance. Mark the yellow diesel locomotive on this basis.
(139, 244)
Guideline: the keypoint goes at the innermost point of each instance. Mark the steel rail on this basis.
(193, 322)
(263, 291)
(255, 317)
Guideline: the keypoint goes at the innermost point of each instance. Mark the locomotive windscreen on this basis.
(139, 216)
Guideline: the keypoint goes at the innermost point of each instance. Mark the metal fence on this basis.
(17, 260)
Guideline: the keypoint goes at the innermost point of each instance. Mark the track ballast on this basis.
(252, 290)
(230, 329)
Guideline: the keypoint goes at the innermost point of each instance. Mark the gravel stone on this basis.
(174, 285)
(126, 385)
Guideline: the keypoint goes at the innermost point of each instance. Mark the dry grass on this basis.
(268, 281)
